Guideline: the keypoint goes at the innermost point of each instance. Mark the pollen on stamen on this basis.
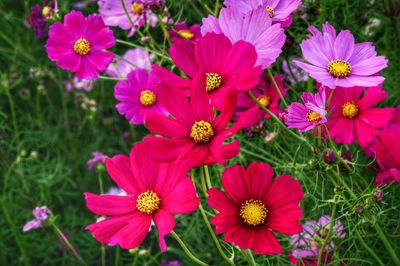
(214, 81)
(186, 34)
(339, 68)
(313, 117)
(253, 212)
(349, 109)
(264, 100)
(137, 8)
(148, 202)
(202, 132)
(82, 46)
(147, 98)
(270, 10)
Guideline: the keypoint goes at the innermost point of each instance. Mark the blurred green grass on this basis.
(52, 123)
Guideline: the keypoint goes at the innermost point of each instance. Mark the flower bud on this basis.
(329, 157)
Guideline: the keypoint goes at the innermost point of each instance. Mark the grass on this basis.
(46, 138)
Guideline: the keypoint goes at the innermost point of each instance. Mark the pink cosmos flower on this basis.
(248, 112)
(79, 84)
(227, 67)
(307, 243)
(182, 31)
(137, 94)
(387, 152)
(97, 158)
(254, 27)
(337, 61)
(278, 10)
(307, 116)
(114, 14)
(78, 45)
(155, 192)
(353, 116)
(132, 59)
(253, 207)
(194, 132)
(41, 214)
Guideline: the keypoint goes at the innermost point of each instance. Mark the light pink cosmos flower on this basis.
(137, 94)
(307, 116)
(97, 158)
(336, 60)
(41, 214)
(78, 45)
(79, 84)
(114, 14)
(254, 27)
(132, 59)
(278, 10)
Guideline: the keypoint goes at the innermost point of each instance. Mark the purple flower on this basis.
(38, 22)
(32, 224)
(138, 94)
(308, 242)
(80, 84)
(41, 214)
(307, 116)
(294, 72)
(82, 4)
(97, 158)
(254, 27)
(114, 14)
(278, 10)
(165, 262)
(337, 61)
(132, 59)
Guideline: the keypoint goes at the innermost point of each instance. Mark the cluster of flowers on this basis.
(190, 117)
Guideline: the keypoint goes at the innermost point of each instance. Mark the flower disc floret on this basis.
(313, 117)
(147, 98)
(202, 132)
(214, 81)
(137, 8)
(82, 46)
(148, 202)
(270, 11)
(253, 212)
(264, 100)
(339, 68)
(349, 109)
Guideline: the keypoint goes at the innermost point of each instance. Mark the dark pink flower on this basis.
(38, 21)
(182, 31)
(78, 45)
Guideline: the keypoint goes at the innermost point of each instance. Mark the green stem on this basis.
(249, 257)
(111, 78)
(373, 254)
(214, 237)
(186, 250)
(333, 146)
(251, 95)
(117, 256)
(208, 180)
(127, 14)
(332, 222)
(277, 87)
(166, 38)
(69, 246)
(13, 114)
(387, 244)
(139, 46)
(203, 182)
(330, 99)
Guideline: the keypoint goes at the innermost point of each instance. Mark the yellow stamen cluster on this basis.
(82, 46)
(147, 98)
(313, 117)
(270, 10)
(264, 100)
(48, 12)
(148, 202)
(349, 109)
(253, 212)
(202, 132)
(137, 8)
(186, 34)
(214, 81)
(339, 68)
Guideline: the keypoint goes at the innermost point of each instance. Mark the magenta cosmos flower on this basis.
(98, 158)
(113, 14)
(254, 27)
(353, 116)
(227, 67)
(248, 112)
(307, 116)
(337, 61)
(253, 207)
(78, 45)
(132, 59)
(194, 132)
(155, 192)
(278, 10)
(137, 94)
(41, 214)
(181, 31)
(387, 152)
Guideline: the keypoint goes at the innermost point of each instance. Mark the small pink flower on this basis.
(97, 158)
(41, 214)
(132, 59)
(181, 31)
(79, 84)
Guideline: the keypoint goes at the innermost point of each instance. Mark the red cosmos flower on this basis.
(353, 116)
(253, 206)
(194, 132)
(155, 192)
(248, 112)
(387, 151)
(227, 67)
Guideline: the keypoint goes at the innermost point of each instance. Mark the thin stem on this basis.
(13, 114)
(111, 78)
(250, 258)
(138, 46)
(208, 180)
(330, 99)
(69, 246)
(251, 95)
(127, 14)
(277, 87)
(333, 146)
(214, 237)
(387, 244)
(186, 250)
(332, 221)
(117, 256)
(373, 254)
(203, 182)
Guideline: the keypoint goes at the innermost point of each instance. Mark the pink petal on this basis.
(165, 224)
(119, 168)
(110, 205)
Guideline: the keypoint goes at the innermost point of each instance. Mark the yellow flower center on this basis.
(147, 98)
(202, 132)
(349, 109)
(148, 202)
(313, 117)
(253, 212)
(82, 46)
(214, 81)
(137, 8)
(264, 100)
(47, 12)
(339, 68)
(270, 10)
(186, 34)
